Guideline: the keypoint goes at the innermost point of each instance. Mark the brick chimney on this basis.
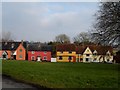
(22, 42)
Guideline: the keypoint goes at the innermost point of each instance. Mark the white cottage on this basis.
(95, 53)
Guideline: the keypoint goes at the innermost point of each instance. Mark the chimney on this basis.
(22, 42)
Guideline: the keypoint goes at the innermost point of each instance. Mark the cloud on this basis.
(43, 21)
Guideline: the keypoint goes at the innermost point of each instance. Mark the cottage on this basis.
(66, 53)
(13, 50)
(37, 52)
(94, 53)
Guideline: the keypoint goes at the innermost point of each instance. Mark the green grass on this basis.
(63, 75)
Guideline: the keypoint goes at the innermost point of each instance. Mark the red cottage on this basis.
(37, 52)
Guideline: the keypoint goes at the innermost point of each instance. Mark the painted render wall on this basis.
(21, 53)
(39, 53)
(65, 55)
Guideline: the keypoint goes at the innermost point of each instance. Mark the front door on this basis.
(38, 58)
(14, 57)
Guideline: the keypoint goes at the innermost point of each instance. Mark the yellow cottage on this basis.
(66, 53)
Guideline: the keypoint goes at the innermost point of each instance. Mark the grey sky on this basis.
(42, 21)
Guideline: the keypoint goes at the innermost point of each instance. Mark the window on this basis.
(70, 58)
(94, 53)
(108, 60)
(33, 52)
(70, 51)
(20, 50)
(87, 59)
(45, 52)
(44, 58)
(108, 54)
(60, 57)
(94, 59)
(20, 56)
(32, 58)
(81, 59)
(12, 46)
(87, 54)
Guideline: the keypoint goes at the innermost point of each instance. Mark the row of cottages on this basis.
(84, 53)
(13, 50)
(25, 51)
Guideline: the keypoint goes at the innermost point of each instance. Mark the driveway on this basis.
(9, 83)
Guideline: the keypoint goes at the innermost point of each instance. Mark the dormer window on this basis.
(108, 53)
(95, 52)
(12, 46)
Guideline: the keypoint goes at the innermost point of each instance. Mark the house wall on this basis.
(20, 53)
(96, 58)
(93, 58)
(79, 57)
(65, 55)
(42, 54)
(101, 58)
(110, 58)
(90, 57)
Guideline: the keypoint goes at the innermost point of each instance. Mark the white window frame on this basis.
(33, 52)
(61, 57)
(32, 57)
(20, 56)
(20, 50)
(45, 57)
(45, 52)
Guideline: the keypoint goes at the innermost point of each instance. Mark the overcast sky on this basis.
(42, 21)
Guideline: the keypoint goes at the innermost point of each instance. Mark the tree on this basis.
(6, 36)
(53, 44)
(62, 38)
(107, 25)
(82, 37)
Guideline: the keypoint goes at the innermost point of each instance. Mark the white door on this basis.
(38, 59)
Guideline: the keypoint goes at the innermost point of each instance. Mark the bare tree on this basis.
(82, 37)
(62, 38)
(107, 25)
(6, 36)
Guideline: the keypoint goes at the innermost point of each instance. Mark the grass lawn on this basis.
(63, 75)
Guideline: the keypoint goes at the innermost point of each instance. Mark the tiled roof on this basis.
(101, 50)
(39, 47)
(65, 47)
(11, 45)
(80, 49)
